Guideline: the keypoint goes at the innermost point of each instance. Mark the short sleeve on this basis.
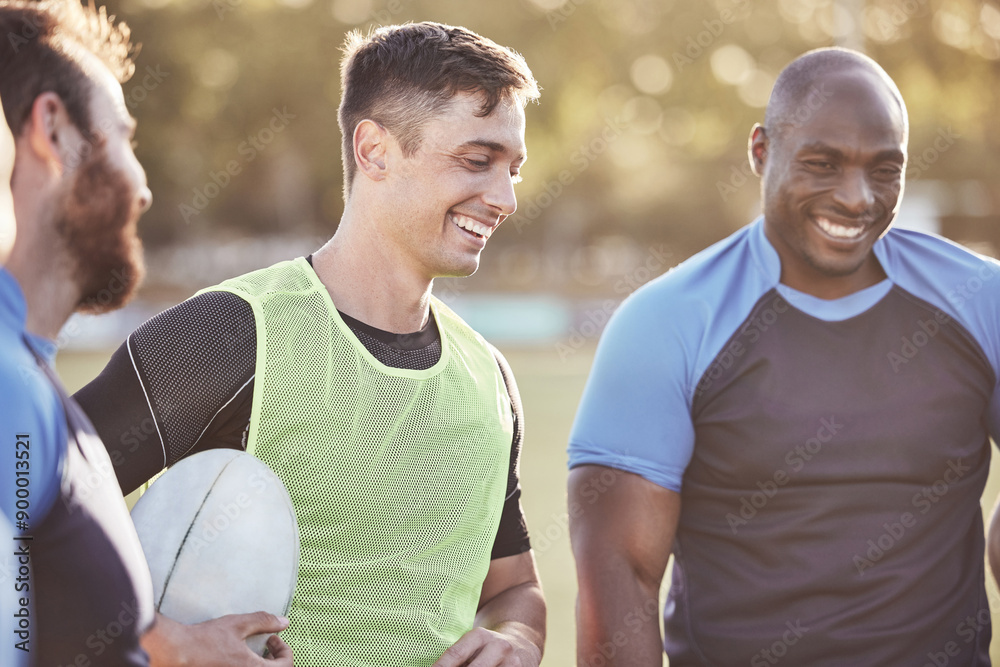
(635, 412)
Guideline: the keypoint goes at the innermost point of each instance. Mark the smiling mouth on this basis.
(843, 232)
(475, 228)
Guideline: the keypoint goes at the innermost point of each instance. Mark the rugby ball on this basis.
(219, 533)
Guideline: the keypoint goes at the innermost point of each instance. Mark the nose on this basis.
(500, 195)
(855, 193)
(144, 198)
(143, 195)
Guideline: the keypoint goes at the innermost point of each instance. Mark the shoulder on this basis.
(27, 395)
(294, 275)
(907, 250)
(955, 281)
(203, 322)
(32, 411)
(946, 274)
(712, 290)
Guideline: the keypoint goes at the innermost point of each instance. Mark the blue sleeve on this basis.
(32, 443)
(635, 412)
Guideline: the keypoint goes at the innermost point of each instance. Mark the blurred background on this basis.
(637, 159)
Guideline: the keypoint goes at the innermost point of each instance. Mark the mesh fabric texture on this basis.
(398, 476)
(169, 377)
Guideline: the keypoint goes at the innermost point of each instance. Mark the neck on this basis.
(371, 280)
(834, 287)
(46, 277)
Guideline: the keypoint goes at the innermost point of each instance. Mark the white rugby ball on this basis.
(219, 533)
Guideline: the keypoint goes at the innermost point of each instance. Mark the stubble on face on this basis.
(821, 172)
(98, 227)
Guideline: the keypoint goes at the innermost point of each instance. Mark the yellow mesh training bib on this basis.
(397, 476)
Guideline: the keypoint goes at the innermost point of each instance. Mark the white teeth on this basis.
(839, 231)
(471, 225)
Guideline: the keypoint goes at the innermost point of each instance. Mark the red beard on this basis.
(99, 228)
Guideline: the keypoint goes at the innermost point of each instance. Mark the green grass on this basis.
(550, 388)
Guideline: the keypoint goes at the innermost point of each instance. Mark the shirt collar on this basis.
(14, 314)
(13, 307)
(767, 260)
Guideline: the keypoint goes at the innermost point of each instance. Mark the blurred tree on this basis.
(640, 133)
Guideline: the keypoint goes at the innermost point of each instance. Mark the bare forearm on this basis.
(621, 541)
(993, 542)
(519, 613)
(618, 621)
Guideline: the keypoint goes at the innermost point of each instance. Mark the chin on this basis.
(838, 268)
(458, 267)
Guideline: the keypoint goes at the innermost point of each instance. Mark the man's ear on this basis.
(370, 148)
(52, 136)
(757, 148)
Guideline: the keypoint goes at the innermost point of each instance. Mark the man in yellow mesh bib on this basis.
(395, 426)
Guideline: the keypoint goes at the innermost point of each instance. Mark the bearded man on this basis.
(83, 591)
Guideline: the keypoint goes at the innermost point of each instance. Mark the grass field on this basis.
(550, 389)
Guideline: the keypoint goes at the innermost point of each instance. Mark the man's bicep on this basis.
(165, 389)
(506, 573)
(618, 518)
(117, 406)
(635, 412)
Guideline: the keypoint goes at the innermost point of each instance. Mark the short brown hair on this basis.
(42, 46)
(400, 76)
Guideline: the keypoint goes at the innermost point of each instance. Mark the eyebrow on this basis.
(494, 146)
(892, 154)
(820, 147)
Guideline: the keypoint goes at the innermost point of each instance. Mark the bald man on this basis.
(801, 414)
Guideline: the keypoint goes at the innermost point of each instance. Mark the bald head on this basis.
(803, 86)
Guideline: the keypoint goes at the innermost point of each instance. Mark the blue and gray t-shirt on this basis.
(830, 455)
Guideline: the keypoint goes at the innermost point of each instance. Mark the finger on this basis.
(278, 650)
(257, 623)
(493, 654)
(462, 651)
